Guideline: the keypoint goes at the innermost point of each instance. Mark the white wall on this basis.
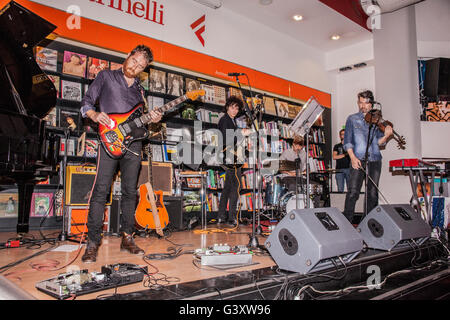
(435, 139)
(433, 25)
(396, 79)
(350, 55)
(228, 36)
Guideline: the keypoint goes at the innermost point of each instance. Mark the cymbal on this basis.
(283, 165)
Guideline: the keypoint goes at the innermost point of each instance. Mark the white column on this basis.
(396, 82)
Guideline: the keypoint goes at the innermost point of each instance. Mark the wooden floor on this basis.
(42, 267)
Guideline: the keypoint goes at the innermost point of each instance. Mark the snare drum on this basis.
(287, 202)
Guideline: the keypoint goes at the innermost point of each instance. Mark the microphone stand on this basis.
(253, 243)
(308, 128)
(260, 179)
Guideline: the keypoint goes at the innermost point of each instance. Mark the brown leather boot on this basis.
(90, 255)
(129, 245)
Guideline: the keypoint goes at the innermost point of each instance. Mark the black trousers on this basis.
(355, 182)
(230, 193)
(106, 167)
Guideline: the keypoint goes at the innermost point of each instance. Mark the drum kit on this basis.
(280, 197)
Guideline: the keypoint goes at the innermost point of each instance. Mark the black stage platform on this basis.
(404, 274)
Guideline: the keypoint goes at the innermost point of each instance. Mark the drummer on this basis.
(297, 151)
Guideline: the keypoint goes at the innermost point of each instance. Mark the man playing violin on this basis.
(356, 139)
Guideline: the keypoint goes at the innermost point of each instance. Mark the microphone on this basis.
(236, 74)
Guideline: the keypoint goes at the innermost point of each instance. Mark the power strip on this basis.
(223, 254)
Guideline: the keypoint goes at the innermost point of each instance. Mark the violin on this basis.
(375, 117)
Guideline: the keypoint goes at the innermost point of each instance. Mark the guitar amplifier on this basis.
(162, 173)
(174, 207)
(79, 182)
(77, 219)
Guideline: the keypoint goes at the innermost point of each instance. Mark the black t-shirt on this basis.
(344, 162)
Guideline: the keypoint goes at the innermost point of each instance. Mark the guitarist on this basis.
(230, 134)
(116, 91)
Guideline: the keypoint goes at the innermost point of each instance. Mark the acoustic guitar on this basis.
(151, 213)
(125, 128)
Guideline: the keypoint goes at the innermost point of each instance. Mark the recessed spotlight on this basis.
(297, 17)
(265, 2)
(335, 37)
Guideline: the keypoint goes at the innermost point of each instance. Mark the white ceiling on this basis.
(319, 22)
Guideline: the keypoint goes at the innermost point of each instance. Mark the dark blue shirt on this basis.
(112, 92)
(355, 138)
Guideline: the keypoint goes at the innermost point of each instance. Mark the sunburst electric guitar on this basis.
(125, 128)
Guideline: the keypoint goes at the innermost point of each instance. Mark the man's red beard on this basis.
(127, 72)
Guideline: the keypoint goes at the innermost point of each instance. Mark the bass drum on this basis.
(287, 202)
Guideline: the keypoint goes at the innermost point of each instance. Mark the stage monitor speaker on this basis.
(79, 182)
(162, 173)
(437, 77)
(393, 226)
(309, 240)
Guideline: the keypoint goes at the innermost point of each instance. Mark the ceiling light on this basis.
(265, 2)
(297, 17)
(335, 37)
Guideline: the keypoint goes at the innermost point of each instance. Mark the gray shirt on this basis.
(112, 92)
(291, 155)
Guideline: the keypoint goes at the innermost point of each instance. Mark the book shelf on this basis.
(163, 84)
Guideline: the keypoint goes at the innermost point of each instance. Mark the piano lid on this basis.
(20, 31)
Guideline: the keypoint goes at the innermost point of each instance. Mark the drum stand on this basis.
(301, 125)
(297, 169)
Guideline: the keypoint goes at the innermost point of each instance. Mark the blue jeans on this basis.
(342, 177)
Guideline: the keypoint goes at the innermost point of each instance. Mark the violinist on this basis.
(356, 140)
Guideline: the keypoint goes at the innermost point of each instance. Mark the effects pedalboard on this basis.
(223, 254)
(80, 282)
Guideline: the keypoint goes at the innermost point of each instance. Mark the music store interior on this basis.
(253, 150)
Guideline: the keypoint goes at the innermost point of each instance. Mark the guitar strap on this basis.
(151, 198)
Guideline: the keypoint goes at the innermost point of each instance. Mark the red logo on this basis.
(200, 30)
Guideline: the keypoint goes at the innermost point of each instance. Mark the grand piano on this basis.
(28, 152)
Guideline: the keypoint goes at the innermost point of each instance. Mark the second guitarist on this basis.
(230, 135)
(116, 91)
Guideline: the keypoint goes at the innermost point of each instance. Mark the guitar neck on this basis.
(146, 117)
